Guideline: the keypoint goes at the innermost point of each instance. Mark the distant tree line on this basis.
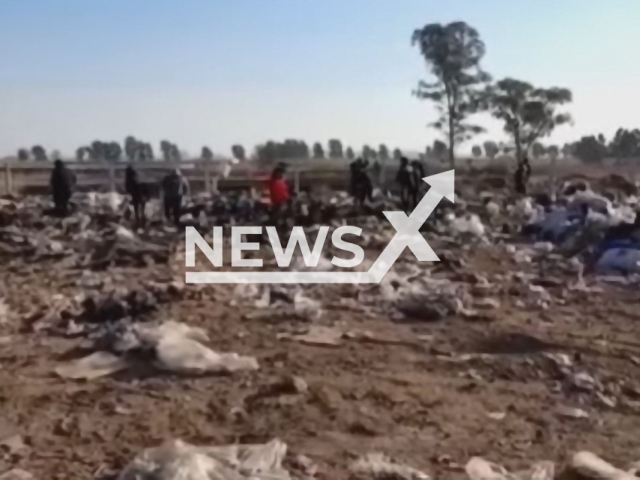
(590, 149)
(594, 149)
(491, 150)
(298, 149)
(138, 151)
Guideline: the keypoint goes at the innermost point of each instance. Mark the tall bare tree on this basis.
(453, 53)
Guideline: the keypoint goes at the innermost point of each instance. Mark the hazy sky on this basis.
(217, 72)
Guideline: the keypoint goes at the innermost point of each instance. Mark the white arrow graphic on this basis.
(407, 235)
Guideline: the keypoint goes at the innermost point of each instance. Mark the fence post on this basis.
(8, 180)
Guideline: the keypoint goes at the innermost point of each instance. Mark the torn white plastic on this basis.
(307, 307)
(123, 233)
(479, 469)
(377, 466)
(590, 465)
(98, 364)
(176, 460)
(151, 334)
(320, 335)
(471, 223)
(187, 356)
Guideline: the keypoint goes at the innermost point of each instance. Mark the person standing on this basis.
(174, 187)
(406, 181)
(417, 172)
(361, 186)
(278, 194)
(63, 182)
(521, 176)
(139, 193)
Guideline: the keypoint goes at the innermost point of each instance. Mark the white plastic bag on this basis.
(177, 460)
(187, 356)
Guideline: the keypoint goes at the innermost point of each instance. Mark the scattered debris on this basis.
(16, 474)
(479, 469)
(177, 460)
(94, 284)
(571, 412)
(96, 365)
(497, 415)
(590, 465)
(186, 356)
(13, 444)
(319, 336)
(377, 466)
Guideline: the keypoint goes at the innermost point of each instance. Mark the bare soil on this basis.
(404, 391)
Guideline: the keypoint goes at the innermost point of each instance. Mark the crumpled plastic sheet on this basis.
(377, 466)
(184, 355)
(98, 364)
(153, 333)
(480, 469)
(590, 465)
(112, 200)
(177, 347)
(177, 460)
(470, 223)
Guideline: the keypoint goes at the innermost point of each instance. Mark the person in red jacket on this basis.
(278, 188)
(279, 194)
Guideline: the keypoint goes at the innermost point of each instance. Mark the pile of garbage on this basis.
(168, 346)
(602, 229)
(92, 237)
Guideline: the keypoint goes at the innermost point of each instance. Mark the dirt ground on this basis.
(406, 390)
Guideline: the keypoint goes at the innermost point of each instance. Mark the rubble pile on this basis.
(369, 380)
(91, 238)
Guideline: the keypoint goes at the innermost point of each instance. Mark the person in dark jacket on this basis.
(63, 182)
(376, 171)
(405, 178)
(174, 187)
(139, 193)
(417, 171)
(521, 176)
(361, 186)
